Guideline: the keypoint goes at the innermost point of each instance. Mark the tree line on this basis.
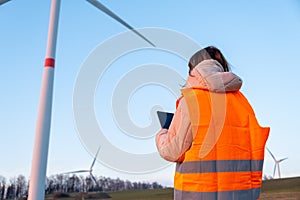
(17, 187)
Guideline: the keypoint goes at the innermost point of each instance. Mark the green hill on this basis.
(285, 188)
(281, 185)
(159, 194)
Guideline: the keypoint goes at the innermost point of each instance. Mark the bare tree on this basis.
(18, 187)
(50, 186)
(155, 185)
(2, 186)
(11, 193)
(71, 183)
(89, 183)
(105, 184)
(77, 184)
(128, 185)
(60, 182)
(21, 186)
(82, 178)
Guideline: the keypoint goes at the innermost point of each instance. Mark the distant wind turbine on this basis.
(87, 170)
(276, 163)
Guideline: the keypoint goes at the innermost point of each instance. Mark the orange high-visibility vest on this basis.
(226, 157)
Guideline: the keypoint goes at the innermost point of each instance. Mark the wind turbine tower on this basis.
(43, 125)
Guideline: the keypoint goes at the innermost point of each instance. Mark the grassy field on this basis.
(157, 194)
(282, 189)
(161, 194)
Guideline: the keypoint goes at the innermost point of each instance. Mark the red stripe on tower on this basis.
(49, 62)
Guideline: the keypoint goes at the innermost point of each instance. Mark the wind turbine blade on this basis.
(279, 171)
(271, 154)
(282, 159)
(100, 6)
(3, 1)
(94, 178)
(78, 171)
(95, 158)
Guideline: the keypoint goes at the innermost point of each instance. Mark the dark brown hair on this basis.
(207, 53)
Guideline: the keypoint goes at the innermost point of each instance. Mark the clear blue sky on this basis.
(260, 39)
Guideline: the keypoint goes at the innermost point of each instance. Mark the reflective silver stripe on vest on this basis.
(251, 194)
(206, 166)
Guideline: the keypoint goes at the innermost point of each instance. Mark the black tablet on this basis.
(165, 119)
